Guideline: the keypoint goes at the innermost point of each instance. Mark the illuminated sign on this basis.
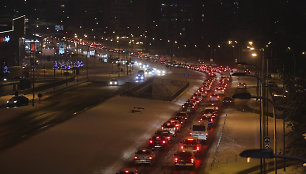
(59, 27)
(5, 39)
(61, 48)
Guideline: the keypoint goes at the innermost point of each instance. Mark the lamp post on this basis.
(248, 96)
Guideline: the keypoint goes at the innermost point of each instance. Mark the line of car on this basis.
(192, 145)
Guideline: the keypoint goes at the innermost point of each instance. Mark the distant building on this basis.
(12, 41)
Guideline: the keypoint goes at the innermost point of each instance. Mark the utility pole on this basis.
(33, 75)
(88, 55)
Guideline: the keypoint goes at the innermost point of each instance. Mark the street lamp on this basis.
(268, 153)
(248, 96)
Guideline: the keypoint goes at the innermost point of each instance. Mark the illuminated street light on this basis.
(252, 48)
(219, 46)
(230, 42)
(254, 54)
(251, 42)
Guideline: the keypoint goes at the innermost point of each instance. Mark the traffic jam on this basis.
(185, 135)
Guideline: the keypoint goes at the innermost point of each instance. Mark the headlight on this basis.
(7, 101)
(115, 83)
(142, 77)
(15, 101)
(111, 83)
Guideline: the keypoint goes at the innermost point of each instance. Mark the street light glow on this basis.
(254, 54)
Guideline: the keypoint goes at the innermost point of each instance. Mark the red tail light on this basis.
(176, 159)
(177, 125)
(192, 160)
(135, 157)
(164, 142)
(150, 157)
(151, 141)
(206, 134)
(210, 96)
(198, 148)
(211, 120)
(218, 97)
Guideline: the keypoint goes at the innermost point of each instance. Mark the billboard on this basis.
(59, 27)
(61, 47)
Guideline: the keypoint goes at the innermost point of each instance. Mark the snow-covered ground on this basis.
(238, 131)
(99, 140)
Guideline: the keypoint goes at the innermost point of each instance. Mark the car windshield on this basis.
(208, 111)
(184, 155)
(144, 152)
(14, 99)
(190, 141)
(198, 128)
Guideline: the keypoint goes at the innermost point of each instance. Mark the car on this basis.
(209, 112)
(160, 72)
(176, 122)
(128, 171)
(113, 82)
(188, 107)
(220, 90)
(211, 120)
(214, 97)
(182, 120)
(206, 87)
(212, 106)
(182, 114)
(164, 133)
(17, 101)
(172, 127)
(227, 100)
(149, 71)
(195, 99)
(198, 95)
(144, 156)
(191, 143)
(242, 86)
(158, 142)
(184, 158)
(139, 77)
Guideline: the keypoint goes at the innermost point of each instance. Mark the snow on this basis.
(99, 140)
